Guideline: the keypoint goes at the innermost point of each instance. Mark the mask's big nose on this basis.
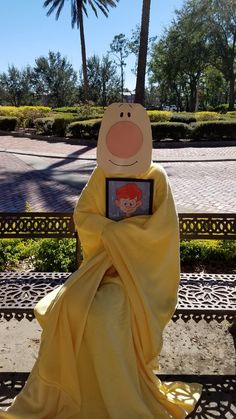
(124, 139)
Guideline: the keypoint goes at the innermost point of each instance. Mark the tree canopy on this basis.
(202, 36)
(78, 9)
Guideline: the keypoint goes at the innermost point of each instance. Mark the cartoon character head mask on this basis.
(125, 140)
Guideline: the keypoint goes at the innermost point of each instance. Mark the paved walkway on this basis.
(50, 175)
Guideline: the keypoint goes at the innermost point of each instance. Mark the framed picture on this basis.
(128, 197)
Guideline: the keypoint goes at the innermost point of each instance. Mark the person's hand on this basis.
(111, 271)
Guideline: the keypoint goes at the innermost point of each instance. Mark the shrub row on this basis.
(83, 112)
(25, 114)
(9, 123)
(52, 126)
(211, 256)
(173, 130)
(43, 255)
(215, 130)
(89, 129)
(59, 255)
(85, 129)
(223, 108)
(28, 115)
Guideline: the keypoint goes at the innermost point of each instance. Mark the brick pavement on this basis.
(73, 151)
(203, 179)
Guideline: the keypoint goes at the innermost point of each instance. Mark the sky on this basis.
(27, 33)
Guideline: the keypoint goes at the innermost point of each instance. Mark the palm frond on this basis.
(55, 4)
(93, 7)
(60, 9)
(74, 13)
(76, 5)
(103, 5)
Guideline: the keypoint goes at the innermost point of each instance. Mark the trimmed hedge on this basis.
(208, 255)
(82, 112)
(159, 116)
(8, 123)
(84, 129)
(25, 114)
(214, 130)
(43, 255)
(223, 108)
(52, 126)
(171, 130)
(207, 116)
(231, 114)
(55, 255)
(183, 117)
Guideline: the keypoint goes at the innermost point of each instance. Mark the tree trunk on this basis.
(142, 57)
(193, 95)
(122, 79)
(231, 92)
(83, 50)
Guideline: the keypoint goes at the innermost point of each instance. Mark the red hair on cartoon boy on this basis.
(128, 198)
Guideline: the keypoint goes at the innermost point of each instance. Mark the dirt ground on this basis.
(189, 348)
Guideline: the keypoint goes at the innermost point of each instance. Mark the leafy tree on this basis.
(142, 56)
(119, 47)
(179, 58)
(55, 80)
(213, 88)
(104, 84)
(78, 9)
(202, 37)
(16, 86)
(134, 42)
(220, 18)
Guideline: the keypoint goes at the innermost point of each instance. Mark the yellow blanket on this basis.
(102, 335)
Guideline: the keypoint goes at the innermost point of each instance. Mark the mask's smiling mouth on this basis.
(123, 165)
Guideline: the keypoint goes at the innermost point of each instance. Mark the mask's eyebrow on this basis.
(122, 104)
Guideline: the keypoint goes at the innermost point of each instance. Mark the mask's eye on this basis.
(121, 114)
(129, 114)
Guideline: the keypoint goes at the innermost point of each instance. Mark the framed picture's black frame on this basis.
(127, 197)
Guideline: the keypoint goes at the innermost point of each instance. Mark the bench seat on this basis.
(218, 397)
(201, 296)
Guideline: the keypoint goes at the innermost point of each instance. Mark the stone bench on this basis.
(201, 296)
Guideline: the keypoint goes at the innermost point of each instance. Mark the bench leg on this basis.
(232, 328)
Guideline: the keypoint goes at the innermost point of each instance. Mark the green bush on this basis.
(223, 108)
(231, 114)
(8, 123)
(82, 112)
(214, 130)
(186, 118)
(207, 116)
(25, 114)
(209, 255)
(84, 129)
(52, 126)
(44, 255)
(54, 255)
(174, 130)
(14, 251)
(159, 116)
(44, 125)
(68, 116)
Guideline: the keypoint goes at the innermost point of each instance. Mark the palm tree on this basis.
(78, 9)
(142, 56)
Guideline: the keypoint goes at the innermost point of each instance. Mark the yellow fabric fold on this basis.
(145, 252)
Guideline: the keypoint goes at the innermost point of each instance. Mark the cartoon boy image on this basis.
(128, 198)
